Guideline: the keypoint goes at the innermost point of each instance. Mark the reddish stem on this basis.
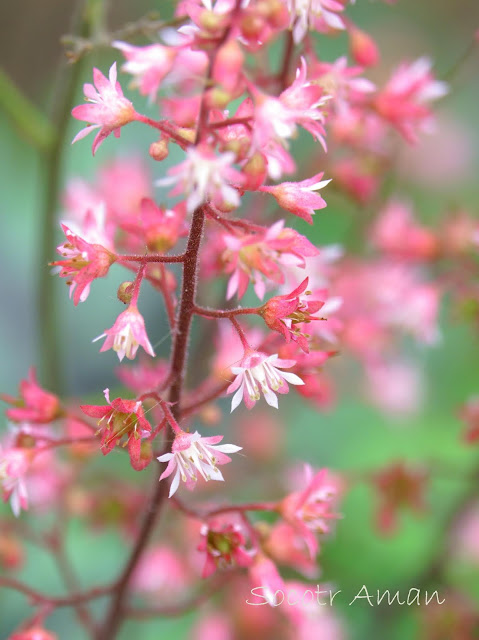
(151, 258)
(165, 127)
(116, 613)
(227, 313)
(240, 333)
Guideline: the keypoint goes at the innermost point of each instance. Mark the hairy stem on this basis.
(116, 613)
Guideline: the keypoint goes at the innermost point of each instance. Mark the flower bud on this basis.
(125, 292)
(363, 48)
(159, 150)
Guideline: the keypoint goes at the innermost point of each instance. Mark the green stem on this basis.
(30, 121)
(48, 313)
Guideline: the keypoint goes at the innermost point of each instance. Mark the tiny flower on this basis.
(263, 573)
(301, 198)
(34, 405)
(149, 65)
(225, 547)
(109, 109)
(127, 334)
(14, 463)
(190, 454)
(83, 263)
(308, 14)
(299, 104)
(405, 99)
(123, 418)
(311, 510)
(282, 313)
(263, 256)
(158, 228)
(205, 176)
(259, 373)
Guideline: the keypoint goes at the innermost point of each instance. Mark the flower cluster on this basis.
(224, 233)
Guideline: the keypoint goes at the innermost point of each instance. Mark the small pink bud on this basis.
(228, 65)
(363, 48)
(159, 150)
(255, 171)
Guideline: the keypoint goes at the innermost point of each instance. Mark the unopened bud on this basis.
(125, 292)
(255, 171)
(363, 48)
(159, 150)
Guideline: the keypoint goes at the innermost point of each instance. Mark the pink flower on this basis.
(144, 374)
(397, 234)
(123, 418)
(299, 104)
(282, 313)
(161, 572)
(262, 256)
(263, 574)
(83, 263)
(259, 373)
(109, 109)
(160, 229)
(149, 65)
(34, 405)
(127, 334)
(311, 510)
(205, 176)
(225, 547)
(301, 198)
(308, 14)
(14, 463)
(405, 99)
(190, 454)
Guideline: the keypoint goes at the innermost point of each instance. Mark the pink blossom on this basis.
(286, 546)
(308, 14)
(311, 510)
(225, 547)
(301, 198)
(14, 464)
(161, 573)
(149, 65)
(263, 257)
(205, 176)
(34, 405)
(259, 373)
(145, 374)
(405, 99)
(299, 104)
(344, 84)
(160, 229)
(397, 234)
(282, 313)
(191, 453)
(123, 418)
(109, 109)
(127, 334)
(84, 262)
(264, 574)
